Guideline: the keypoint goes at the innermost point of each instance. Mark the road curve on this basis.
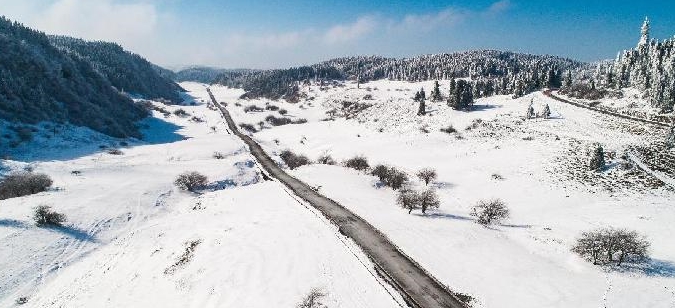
(418, 288)
(550, 94)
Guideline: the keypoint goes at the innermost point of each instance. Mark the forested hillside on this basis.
(650, 67)
(39, 82)
(127, 71)
(491, 72)
(204, 74)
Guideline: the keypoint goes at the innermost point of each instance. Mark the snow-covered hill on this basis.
(537, 166)
(134, 240)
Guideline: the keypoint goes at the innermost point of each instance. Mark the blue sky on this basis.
(269, 34)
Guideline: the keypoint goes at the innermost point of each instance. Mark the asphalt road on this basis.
(416, 286)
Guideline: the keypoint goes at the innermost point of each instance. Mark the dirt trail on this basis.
(416, 285)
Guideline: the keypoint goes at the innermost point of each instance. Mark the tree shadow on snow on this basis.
(437, 215)
(651, 268)
(73, 232)
(484, 107)
(13, 223)
(158, 131)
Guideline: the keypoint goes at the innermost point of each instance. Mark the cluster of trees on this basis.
(609, 245)
(126, 71)
(23, 183)
(42, 83)
(204, 74)
(650, 67)
(490, 72)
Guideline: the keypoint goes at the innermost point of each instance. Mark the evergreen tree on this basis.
(530, 110)
(670, 140)
(436, 93)
(547, 112)
(597, 162)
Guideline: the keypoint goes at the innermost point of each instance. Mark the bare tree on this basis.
(313, 299)
(408, 199)
(191, 181)
(609, 245)
(428, 199)
(326, 159)
(390, 176)
(490, 212)
(427, 175)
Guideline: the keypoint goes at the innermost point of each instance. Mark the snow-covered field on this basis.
(525, 262)
(134, 240)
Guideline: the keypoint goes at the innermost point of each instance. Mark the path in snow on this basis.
(418, 287)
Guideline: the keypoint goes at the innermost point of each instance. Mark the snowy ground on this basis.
(526, 262)
(133, 240)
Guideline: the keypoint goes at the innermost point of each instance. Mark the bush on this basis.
(23, 183)
(359, 163)
(181, 113)
(115, 152)
(326, 160)
(299, 121)
(283, 111)
(252, 108)
(293, 160)
(218, 155)
(313, 299)
(191, 181)
(274, 121)
(271, 108)
(390, 176)
(44, 216)
(490, 212)
(610, 245)
(427, 175)
(248, 127)
(449, 130)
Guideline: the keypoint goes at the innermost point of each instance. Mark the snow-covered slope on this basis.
(525, 262)
(133, 240)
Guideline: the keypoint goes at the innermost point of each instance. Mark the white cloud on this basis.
(350, 32)
(499, 7)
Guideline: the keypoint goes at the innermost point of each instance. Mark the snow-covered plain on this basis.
(525, 262)
(134, 240)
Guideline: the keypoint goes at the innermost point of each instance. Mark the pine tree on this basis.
(597, 162)
(530, 110)
(547, 112)
(421, 97)
(436, 93)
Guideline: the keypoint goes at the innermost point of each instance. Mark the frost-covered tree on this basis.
(597, 161)
(530, 110)
(546, 113)
(436, 95)
(670, 140)
(420, 97)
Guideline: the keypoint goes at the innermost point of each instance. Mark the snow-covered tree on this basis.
(436, 95)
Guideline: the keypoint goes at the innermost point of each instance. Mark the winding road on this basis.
(417, 287)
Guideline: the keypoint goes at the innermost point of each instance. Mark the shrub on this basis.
(44, 216)
(427, 175)
(252, 108)
(191, 181)
(490, 212)
(359, 163)
(283, 111)
(248, 127)
(274, 121)
(300, 121)
(390, 176)
(218, 155)
(449, 130)
(196, 119)
(293, 160)
(609, 245)
(271, 108)
(23, 183)
(115, 152)
(326, 160)
(313, 299)
(181, 113)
